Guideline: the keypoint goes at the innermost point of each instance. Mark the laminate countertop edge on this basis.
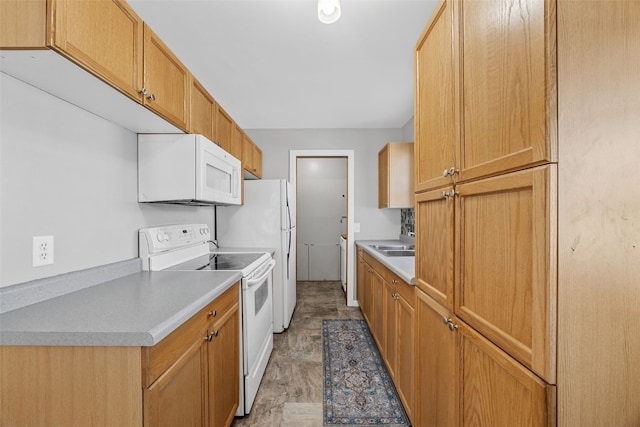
(403, 266)
(138, 309)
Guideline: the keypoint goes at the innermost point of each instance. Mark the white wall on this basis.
(408, 131)
(374, 223)
(68, 173)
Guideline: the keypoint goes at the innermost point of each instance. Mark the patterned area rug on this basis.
(357, 386)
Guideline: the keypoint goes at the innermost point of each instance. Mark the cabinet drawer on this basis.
(374, 263)
(157, 359)
(406, 291)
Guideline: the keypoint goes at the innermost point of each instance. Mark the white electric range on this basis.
(185, 247)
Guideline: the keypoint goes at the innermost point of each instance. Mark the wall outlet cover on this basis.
(42, 250)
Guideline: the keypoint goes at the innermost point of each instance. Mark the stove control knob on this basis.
(160, 237)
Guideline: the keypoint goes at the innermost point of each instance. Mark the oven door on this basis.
(257, 314)
(218, 174)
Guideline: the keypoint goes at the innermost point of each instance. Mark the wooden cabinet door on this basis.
(224, 129)
(508, 85)
(383, 177)
(434, 245)
(390, 348)
(247, 153)
(166, 81)
(437, 382)
(105, 37)
(236, 147)
(361, 278)
(437, 127)
(201, 112)
(257, 161)
(405, 353)
(177, 398)
(377, 307)
(224, 368)
(506, 275)
(497, 390)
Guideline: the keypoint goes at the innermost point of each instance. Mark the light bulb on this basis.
(328, 11)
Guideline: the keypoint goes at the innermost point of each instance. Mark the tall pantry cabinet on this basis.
(528, 240)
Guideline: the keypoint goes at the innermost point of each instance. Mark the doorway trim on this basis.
(293, 176)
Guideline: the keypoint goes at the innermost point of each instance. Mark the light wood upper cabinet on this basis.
(224, 126)
(508, 85)
(24, 24)
(506, 276)
(202, 110)
(104, 37)
(486, 100)
(434, 222)
(437, 130)
(251, 157)
(395, 175)
(166, 81)
(236, 147)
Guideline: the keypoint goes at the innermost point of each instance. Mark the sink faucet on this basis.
(411, 234)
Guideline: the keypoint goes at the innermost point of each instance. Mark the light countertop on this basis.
(139, 309)
(403, 266)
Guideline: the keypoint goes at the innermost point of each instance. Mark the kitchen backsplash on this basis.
(407, 221)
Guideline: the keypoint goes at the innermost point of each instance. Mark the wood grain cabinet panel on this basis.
(104, 37)
(437, 383)
(177, 397)
(508, 85)
(434, 223)
(224, 127)
(436, 112)
(23, 24)
(223, 368)
(166, 81)
(405, 372)
(395, 175)
(498, 391)
(201, 113)
(506, 276)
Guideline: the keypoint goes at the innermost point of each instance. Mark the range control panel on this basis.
(169, 237)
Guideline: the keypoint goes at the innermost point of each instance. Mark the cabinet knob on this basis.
(452, 327)
(213, 313)
(394, 281)
(151, 97)
(215, 333)
(143, 91)
(450, 172)
(443, 194)
(445, 320)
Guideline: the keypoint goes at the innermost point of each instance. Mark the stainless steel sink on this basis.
(395, 250)
(400, 252)
(392, 247)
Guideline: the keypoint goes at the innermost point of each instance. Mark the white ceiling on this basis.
(272, 65)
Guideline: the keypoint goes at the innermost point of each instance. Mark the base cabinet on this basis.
(190, 378)
(387, 303)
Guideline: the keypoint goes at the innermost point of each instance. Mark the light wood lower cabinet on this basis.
(198, 368)
(223, 368)
(190, 378)
(387, 303)
(464, 379)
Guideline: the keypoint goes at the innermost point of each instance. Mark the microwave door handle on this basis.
(258, 280)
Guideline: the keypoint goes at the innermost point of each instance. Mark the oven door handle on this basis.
(258, 280)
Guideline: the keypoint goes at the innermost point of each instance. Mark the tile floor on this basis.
(291, 390)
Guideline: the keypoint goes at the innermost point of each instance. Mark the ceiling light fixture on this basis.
(328, 11)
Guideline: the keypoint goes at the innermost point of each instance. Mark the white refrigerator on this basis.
(267, 219)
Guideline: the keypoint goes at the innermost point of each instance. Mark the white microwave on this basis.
(186, 169)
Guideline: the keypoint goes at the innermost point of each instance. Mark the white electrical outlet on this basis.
(42, 250)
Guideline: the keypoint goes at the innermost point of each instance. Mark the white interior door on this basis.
(322, 209)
